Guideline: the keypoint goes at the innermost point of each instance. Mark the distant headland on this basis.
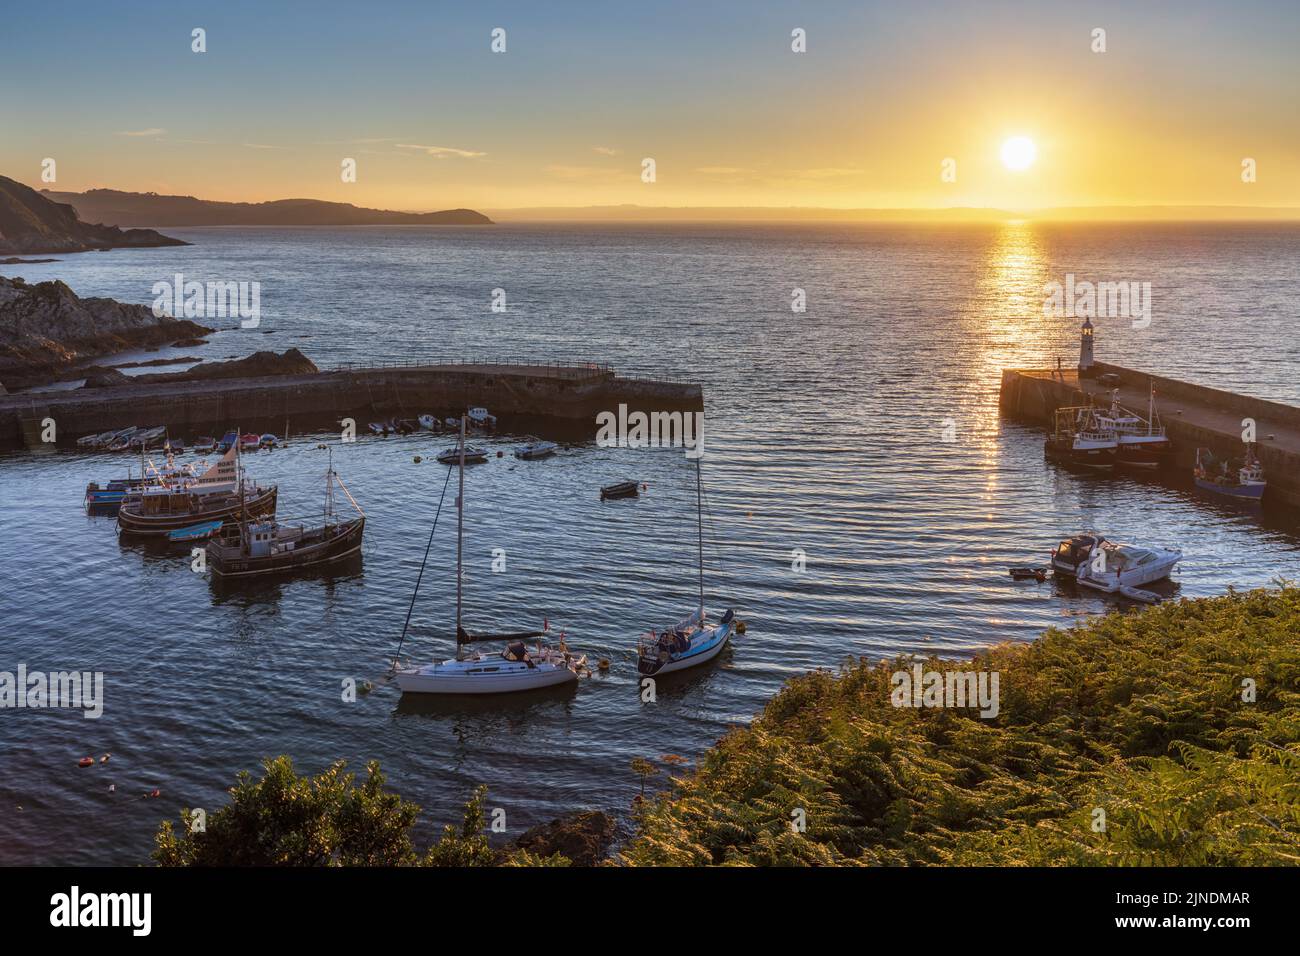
(152, 209)
(31, 222)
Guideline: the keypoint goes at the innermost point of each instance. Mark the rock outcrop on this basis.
(31, 222)
(257, 365)
(583, 836)
(46, 328)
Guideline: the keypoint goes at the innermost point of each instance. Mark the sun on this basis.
(1019, 153)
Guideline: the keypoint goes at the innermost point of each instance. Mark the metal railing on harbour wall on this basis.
(567, 368)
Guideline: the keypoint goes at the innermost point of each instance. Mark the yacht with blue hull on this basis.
(692, 641)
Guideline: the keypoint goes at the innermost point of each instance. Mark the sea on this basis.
(863, 498)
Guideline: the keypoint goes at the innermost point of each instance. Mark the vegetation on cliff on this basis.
(1169, 737)
(283, 819)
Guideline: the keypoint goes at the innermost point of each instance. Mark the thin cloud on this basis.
(443, 152)
(260, 146)
(723, 170)
(152, 131)
(606, 150)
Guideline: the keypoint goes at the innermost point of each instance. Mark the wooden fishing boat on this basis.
(250, 548)
(220, 493)
(519, 666)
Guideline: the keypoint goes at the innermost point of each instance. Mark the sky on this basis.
(1184, 94)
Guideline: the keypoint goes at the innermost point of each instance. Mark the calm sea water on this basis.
(825, 437)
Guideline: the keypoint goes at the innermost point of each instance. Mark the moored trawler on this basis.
(1246, 481)
(257, 548)
(220, 493)
(1080, 439)
(1140, 442)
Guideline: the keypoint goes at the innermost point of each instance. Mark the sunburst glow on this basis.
(1019, 153)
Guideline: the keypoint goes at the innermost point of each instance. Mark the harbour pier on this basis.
(1193, 415)
(565, 397)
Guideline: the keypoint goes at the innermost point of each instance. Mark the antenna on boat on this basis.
(460, 531)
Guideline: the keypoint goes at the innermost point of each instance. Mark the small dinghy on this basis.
(622, 489)
(196, 532)
(429, 423)
(535, 450)
(1029, 574)
(480, 417)
(380, 428)
(206, 444)
(473, 456)
(1138, 594)
(250, 442)
(268, 441)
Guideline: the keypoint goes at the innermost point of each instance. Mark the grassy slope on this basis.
(1140, 715)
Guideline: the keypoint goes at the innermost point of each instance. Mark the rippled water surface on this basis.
(825, 436)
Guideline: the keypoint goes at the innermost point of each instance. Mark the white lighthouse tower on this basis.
(1085, 349)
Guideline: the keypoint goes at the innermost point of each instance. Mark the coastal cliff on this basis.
(31, 222)
(151, 209)
(46, 328)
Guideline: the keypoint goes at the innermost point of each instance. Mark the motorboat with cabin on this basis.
(526, 662)
(1104, 565)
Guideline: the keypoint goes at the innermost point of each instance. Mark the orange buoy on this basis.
(602, 664)
(85, 761)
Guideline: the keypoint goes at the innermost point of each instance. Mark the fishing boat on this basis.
(524, 663)
(1140, 442)
(480, 417)
(535, 450)
(1246, 481)
(111, 495)
(1080, 440)
(205, 444)
(249, 549)
(472, 456)
(228, 441)
(1111, 566)
(621, 489)
(223, 493)
(691, 641)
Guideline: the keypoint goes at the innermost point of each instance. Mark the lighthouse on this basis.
(1085, 349)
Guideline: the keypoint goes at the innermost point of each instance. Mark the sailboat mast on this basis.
(699, 516)
(460, 531)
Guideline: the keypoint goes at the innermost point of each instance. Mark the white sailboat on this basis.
(691, 641)
(525, 663)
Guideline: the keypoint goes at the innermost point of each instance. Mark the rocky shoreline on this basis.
(46, 329)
